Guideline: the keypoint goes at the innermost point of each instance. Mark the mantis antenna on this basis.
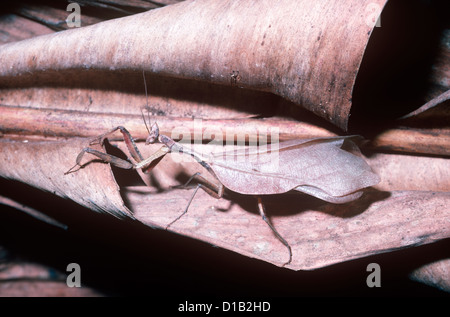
(146, 106)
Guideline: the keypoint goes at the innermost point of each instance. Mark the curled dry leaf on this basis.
(437, 101)
(42, 164)
(319, 234)
(434, 274)
(284, 49)
(24, 279)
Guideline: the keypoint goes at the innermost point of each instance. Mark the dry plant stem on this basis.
(281, 47)
(47, 122)
(420, 141)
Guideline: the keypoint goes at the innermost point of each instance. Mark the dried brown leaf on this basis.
(436, 274)
(222, 42)
(320, 234)
(42, 164)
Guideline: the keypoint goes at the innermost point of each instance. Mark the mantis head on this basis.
(153, 134)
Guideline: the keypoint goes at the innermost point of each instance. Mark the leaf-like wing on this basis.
(324, 167)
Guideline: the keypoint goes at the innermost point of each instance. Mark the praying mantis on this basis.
(320, 167)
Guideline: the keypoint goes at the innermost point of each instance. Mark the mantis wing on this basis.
(324, 167)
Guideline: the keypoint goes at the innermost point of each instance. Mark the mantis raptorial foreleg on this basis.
(131, 145)
(142, 163)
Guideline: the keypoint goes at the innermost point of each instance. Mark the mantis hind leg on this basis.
(215, 191)
(277, 234)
